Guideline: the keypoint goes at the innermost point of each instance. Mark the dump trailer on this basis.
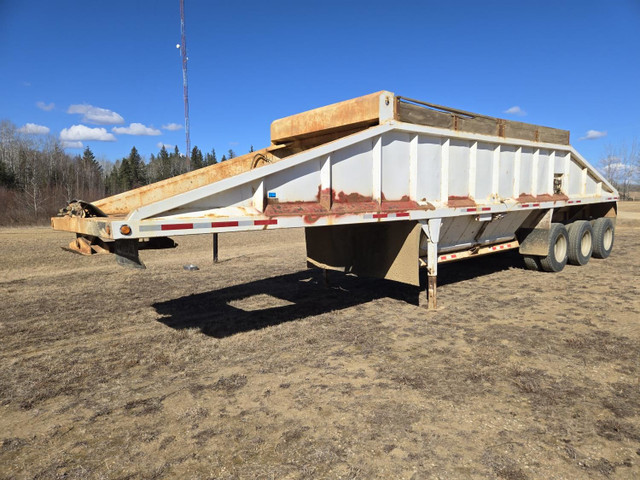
(383, 185)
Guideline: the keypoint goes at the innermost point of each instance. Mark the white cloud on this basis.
(32, 128)
(47, 107)
(172, 126)
(66, 144)
(96, 115)
(81, 132)
(165, 145)
(593, 134)
(136, 129)
(515, 110)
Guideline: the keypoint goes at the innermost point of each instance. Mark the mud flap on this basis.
(533, 235)
(127, 253)
(381, 250)
(535, 242)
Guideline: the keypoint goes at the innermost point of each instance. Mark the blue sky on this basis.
(77, 66)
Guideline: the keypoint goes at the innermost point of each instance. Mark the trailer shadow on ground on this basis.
(275, 300)
(284, 298)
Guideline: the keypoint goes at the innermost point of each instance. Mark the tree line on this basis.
(37, 176)
(132, 171)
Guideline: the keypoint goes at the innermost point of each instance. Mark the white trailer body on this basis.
(382, 185)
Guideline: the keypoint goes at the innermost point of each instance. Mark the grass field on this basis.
(252, 368)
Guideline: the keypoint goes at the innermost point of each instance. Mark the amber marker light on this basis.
(125, 230)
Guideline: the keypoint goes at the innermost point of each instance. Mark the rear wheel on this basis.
(580, 242)
(532, 262)
(602, 237)
(557, 257)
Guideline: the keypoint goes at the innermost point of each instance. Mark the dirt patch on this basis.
(252, 368)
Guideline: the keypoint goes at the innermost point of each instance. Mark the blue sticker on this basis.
(272, 194)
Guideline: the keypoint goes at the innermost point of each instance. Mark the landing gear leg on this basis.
(432, 303)
(432, 231)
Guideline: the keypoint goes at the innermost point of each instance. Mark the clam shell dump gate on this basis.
(382, 184)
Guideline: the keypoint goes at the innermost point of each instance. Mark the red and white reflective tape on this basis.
(501, 247)
(373, 216)
(574, 201)
(612, 198)
(527, 205)
(482, 251)
(207, 225)
(480, 209)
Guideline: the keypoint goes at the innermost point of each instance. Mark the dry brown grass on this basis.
(253, 369)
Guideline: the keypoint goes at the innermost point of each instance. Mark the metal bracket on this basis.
(126, 251)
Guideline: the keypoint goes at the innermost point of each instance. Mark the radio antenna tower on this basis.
(185, 83)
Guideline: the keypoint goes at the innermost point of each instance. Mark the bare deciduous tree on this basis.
(37, 177)
(621, 166)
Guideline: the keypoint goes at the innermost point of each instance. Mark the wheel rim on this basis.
(560, 248)
(585, 244)
(607, 238)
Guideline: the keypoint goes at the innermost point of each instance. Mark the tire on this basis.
(603, 233)
(531, 262)
(557, 257)
(580, 242)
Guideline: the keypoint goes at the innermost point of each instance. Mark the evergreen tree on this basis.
(178, 163)
(197, 161)
(88, 156)
(88, 174)
(163, 153)
(136, 177)
(224, 158)
(165, 164)
(210, 158)
(125, 174)
(232, 154)
(89, 161)
(112, 180)
(251, 149)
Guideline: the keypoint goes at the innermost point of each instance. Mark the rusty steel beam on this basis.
(93, 226)
(125, 202)
(361, 111)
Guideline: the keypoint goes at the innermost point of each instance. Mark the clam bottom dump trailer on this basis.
(383, 185)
